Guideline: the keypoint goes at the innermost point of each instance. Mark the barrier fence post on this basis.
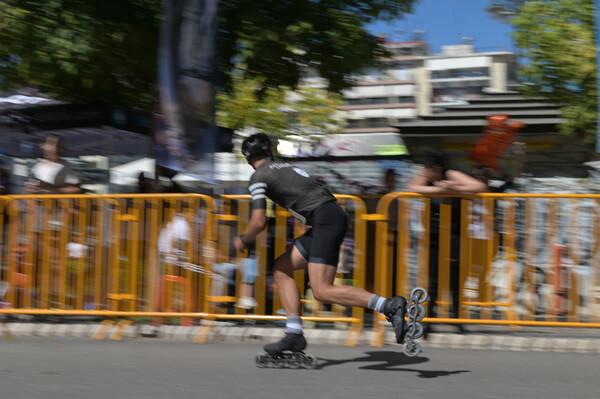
(444, 294)
(552, 221)
(11, 242)
(403, 247)
(574, 260)
(62, 207)
(424, 243)
(383, 266)
(466, 252)
(595, 260)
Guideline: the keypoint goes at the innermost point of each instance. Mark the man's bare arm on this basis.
(258, 222)
(464, 184)
(418, 185)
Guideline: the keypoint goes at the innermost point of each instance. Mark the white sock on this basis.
(376, 303)
(293, 324)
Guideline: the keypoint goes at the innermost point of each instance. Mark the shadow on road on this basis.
(391, 361)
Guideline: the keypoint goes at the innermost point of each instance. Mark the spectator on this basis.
(389, 181)
(173, 241)
(53, 175)
(5, 179)
(434, 179)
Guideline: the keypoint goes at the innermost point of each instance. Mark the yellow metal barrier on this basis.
(524, 259)
(153, 256)
(104, 254)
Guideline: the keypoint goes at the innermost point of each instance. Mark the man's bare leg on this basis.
(283, 271)
(322, 277)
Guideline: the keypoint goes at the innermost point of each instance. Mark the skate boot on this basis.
(287, 353)
(291, 342)
(394, 309)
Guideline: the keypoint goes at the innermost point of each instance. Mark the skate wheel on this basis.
(412, 349)
(310, 362)
(414, 331)
(416, 312)
(276, 363)
(418, 294)
(261, 360)
(293, 363)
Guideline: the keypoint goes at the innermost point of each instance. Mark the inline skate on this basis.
(415, 313)
(287, 353)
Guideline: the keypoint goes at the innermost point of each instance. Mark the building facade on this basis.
(412, 83)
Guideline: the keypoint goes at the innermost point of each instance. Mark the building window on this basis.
(369, 101)
(403, 51)
(405, 99)
(402, 71)
(381, 100)
(450, 94)
(461, 73)
(368, 123)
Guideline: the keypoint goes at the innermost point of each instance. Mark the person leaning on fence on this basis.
(314, 205)
(433, 179)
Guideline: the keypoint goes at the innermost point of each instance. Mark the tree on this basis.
(556, 41)
(277, 39)
(306, 112)
(82, 50)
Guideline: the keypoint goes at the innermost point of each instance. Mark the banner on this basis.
(186, 136)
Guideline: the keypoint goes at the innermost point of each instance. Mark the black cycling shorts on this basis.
(321, 244)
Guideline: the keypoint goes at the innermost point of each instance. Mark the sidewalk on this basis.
(545, 339)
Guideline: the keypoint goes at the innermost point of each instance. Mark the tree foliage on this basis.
(277, 38)
(80, 49)
(305, 111)
(556, 41)
(106, 50)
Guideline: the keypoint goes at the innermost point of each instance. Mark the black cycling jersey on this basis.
(289, 187)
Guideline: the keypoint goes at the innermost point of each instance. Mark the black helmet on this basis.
(256, 145)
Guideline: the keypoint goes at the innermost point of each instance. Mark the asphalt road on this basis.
(82, 368)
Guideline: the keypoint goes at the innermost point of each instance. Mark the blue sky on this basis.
(447, 22)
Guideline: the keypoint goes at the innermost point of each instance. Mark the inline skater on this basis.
(311, 202)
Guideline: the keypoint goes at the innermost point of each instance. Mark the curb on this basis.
(231, 332)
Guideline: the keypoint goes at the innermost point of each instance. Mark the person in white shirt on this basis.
(53, 175)
(173, 237)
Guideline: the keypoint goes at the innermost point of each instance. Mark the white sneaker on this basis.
(246, 302)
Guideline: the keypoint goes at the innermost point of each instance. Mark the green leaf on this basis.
(556, 41)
